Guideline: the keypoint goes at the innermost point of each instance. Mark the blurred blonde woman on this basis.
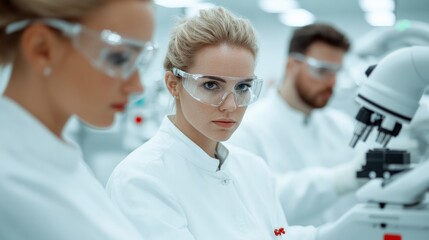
(184, 183)
(69, 58)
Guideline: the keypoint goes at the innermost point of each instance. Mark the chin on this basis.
(223, 139)
(104, 125)
(319, 104)
(224, 136)
(101, 124)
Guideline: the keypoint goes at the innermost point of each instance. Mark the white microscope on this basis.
(394, 208)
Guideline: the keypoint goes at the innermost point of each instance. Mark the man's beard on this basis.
(313, 99)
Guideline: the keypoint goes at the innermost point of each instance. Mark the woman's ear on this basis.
(41, 48)
(172, 83)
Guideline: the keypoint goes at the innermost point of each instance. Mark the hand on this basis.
(344, 176)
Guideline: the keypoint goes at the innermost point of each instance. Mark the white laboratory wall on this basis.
(165, 19)
(273, 36)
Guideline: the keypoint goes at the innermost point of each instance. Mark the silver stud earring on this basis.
(47, 71)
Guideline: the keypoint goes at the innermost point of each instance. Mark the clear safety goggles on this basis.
(318, 69)
(213, 90)
(107, 51)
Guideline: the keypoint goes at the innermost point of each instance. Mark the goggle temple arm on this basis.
(65, 27)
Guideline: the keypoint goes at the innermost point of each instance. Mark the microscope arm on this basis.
(394, 209)
(397, 83)
(391, 94)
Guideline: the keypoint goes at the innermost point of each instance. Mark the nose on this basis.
(331, 80)
(134, 84)
(229, 104)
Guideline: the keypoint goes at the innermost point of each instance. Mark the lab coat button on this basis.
(225, 181)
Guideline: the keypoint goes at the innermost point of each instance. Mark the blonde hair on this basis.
(15, 10)
(212, 27)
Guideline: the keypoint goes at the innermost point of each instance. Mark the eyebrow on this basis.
(223, 80)
(248, 80)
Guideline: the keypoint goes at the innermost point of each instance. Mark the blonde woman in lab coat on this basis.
(184, 183)
(69, 58)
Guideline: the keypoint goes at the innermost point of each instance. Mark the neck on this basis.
(206, 144)
(288, 92)
(31, 94)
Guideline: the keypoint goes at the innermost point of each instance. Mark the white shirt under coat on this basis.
(290, 142)
(171, 189)
(46, 190)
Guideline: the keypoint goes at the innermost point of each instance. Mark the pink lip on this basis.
(224, 123)
(120, 107)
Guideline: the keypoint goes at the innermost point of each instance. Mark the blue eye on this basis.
(117, 58)
(243, 87)
(211, 85)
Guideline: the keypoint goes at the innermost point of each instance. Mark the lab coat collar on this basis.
(221, 154)
(285, 110)
(190, 151)
(32, 133)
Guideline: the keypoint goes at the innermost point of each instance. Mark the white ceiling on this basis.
(331, 11)
(325, 6)
(272, 35)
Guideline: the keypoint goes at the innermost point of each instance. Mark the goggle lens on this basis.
(317, 68)
(108, 51)
(213, 90)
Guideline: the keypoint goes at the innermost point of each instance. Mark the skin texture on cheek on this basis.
(196, 120)
(189, 111)
(314, 94)
(89, 91)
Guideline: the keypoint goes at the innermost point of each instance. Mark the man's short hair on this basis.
(303, 37)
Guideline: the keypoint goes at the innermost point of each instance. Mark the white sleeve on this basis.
(296, 232)
(150, 206)
(290, 232)
(300, 233)
(304, 193)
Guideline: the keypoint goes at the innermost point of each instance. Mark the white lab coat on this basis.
(290, 144)
(46, 190)
(171, 189)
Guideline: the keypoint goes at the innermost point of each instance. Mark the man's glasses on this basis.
(107, 51)
(318, 69)
(213, 90)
